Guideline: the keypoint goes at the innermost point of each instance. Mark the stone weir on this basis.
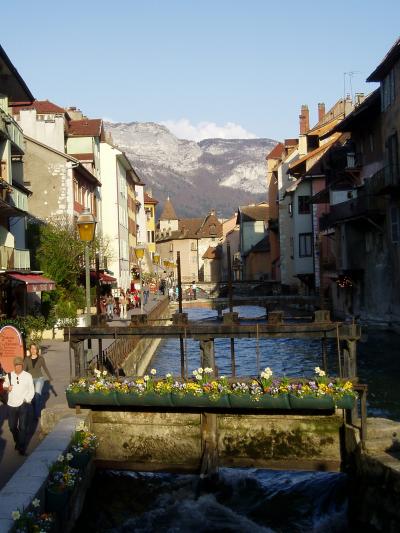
(172, 441)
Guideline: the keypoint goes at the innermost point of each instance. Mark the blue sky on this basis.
(206, 68)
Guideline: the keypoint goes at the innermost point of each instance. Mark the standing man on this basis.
(20, 394)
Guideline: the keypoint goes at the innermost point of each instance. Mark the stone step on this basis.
(383, 428)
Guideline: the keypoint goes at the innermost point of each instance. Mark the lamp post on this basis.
(156, 261)
(86, 226)
(139, 251)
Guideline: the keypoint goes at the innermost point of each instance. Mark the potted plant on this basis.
(145, 391)
(83, 446)
(99, 390)
(62, 479)
(33, 520)
(202, 391)
(315, 393)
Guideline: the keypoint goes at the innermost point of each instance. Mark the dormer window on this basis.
(213, 229)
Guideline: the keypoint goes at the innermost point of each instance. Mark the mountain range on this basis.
(218, 174)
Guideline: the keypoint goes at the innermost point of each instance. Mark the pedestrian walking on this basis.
(171, 294)
(146, 292)
(34, 363)
(123, 301)
(110, 307)
(19, 385)
(194, 290)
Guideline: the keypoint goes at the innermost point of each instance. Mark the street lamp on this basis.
(156, 261)
(139, 251)
(86, 226)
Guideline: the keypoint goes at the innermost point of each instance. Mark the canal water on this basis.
(245, 500)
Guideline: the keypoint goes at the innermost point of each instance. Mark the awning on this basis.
(33, 282)
(105, 278)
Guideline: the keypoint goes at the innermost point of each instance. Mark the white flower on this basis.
(16, 515)
(194, 372)
(317, 369)
(222, 377)
(153, 371)
(200, 370)
(208, 370)
(36, 502)
(97, 372)
(104, 372)
(198, 377)
(80, 426)
(60, 458)
(146, 378)
(69, 456)
(322, 373)
(168, 375)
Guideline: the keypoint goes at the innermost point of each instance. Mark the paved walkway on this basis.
(56, 353)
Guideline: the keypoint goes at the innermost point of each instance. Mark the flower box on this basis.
(311, 402)
(346, 402)
(91, 398)
(56, 501)
(81, 460)
(147, 399)
(201, 400)
(265, 401)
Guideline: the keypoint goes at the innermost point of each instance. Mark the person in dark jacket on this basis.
(35, 364)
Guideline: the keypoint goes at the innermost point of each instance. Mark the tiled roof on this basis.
(210, 227)
(213, 253)
(320, 150)
(387, 63)
(43, 107)
(85, 127)
(323, 129)
(168, 211)
(276, 151)
(254, 212)
(189, 227)
(149, 200)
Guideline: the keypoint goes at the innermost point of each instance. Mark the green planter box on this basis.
(266, 401)
(204, 400)
(56, 501)
(81, 460)
(311, 402)
(91, 398)
(147, 399)
(346, 402)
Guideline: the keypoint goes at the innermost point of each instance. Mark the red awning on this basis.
(105, 278)
(34, 282)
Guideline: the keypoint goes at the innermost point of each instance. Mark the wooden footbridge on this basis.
(237, 429)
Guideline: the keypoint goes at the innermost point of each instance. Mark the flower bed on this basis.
(206, 391)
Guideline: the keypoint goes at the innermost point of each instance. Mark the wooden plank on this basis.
(195, 330)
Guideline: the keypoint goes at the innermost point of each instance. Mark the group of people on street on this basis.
(23, 388)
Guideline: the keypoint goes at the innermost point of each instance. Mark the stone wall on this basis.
(173, 441)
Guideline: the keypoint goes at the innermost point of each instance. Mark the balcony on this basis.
(10, 129)
(14, 259)
(364, 206)
(385, 181)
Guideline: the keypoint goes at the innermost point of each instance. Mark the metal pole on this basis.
(230, 296)
(141, 286)
(87, 268)
(181, 344)
(98, 307)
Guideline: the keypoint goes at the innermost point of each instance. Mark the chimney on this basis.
(321, 111)
(304, 120)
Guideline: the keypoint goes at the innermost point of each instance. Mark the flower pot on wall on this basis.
(202, 400)
(147, 399)
(56, 501)
(81, 460)
(345, 402)
(91, 398)
(265, 401)
(311, 402)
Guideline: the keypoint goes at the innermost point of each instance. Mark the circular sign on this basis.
(11, 346)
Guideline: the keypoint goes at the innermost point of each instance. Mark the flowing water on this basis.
(245, 500)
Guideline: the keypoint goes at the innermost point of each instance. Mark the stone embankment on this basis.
(375, 492)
